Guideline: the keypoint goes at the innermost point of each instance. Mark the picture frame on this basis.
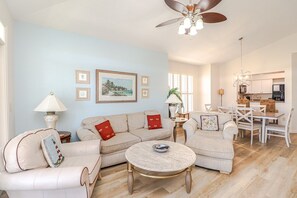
(82, 94)
(145, 93)
(115, 86)
(144, 80)
(82, 77)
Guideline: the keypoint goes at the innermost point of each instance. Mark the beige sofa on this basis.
(214, 149)
(24, 171)
(129, 128)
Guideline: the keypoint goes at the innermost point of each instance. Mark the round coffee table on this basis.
(143, 159)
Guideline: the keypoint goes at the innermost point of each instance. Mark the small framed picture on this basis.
(82, 77)
(144, 80)
(82, 94)
(144, 93)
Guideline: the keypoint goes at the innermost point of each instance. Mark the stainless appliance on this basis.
(278, 92)
(242, 89)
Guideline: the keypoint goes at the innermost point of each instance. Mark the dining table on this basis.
(266, 117)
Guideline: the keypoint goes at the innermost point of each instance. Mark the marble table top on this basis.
(177, 158)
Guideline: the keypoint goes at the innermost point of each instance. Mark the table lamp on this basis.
(221, 92)
(51, 104)
(172, 100)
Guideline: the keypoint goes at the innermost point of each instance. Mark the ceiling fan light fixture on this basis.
(199, 24)
(193, 31)
(181, 29)
(187, 22)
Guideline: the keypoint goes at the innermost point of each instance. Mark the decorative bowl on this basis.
(160, 148)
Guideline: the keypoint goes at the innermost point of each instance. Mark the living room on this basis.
(46, 43)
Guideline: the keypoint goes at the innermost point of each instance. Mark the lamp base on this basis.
(51, 120)
(172, 109)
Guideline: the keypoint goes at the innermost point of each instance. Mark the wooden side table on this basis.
(65, 136)
(178, 121)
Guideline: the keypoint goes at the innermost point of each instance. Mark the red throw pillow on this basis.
(154, 121)
(105, 130)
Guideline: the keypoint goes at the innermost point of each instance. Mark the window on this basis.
(184, 83)
(3, 87)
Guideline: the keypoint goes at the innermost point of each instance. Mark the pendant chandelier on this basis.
(243, 77)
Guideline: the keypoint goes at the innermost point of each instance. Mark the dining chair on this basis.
(280, 130)
(244, 121)
(208, 107)
(241, 105)
(258, 108)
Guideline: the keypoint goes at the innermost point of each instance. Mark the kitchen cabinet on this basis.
(257, 86)
(267, 86)
(260, 86)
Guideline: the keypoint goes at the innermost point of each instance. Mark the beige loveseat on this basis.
(129, 128)
(24, 171)
(214, 149)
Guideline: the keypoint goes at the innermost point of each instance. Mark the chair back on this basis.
(241, 105)
(289, 120)
(270, 105)
(227, 110)
(259, 108)
(244, 117)
(208, 107)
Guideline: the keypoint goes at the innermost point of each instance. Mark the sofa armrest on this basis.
(230, 129)
(168, 123)
(81, 148)
(45, 179)
(85, 134)
(190, 127)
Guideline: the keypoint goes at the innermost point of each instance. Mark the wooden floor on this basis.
(259, 170)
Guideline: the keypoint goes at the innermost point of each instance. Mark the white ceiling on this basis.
(260, 22)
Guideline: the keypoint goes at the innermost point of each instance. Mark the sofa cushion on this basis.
(217, 148)
(136, 121)
(119, 123)
(119, 142)
(92, 120)
(210, 134)
(209, 122)
(91, 126)
(27, 146)
(92, 162)
(154, 121)
(157, 134)
(105, 130)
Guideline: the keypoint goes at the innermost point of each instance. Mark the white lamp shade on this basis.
(50, 104)
(173, 99)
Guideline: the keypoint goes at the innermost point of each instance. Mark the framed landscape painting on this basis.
(113, 86)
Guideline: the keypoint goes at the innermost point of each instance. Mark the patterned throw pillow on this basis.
(51, 151)
(154, 121)
(209, 122)
(105, 130)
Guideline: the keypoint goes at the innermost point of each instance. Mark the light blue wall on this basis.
(45, 60)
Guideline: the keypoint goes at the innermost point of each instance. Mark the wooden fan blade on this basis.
(205, 5)
(213, 17)
(177, 6)
(171, 21)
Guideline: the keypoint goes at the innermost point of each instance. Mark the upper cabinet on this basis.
(267, 86)
(260, 86)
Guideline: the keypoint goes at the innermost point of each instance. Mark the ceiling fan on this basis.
(193, 15)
